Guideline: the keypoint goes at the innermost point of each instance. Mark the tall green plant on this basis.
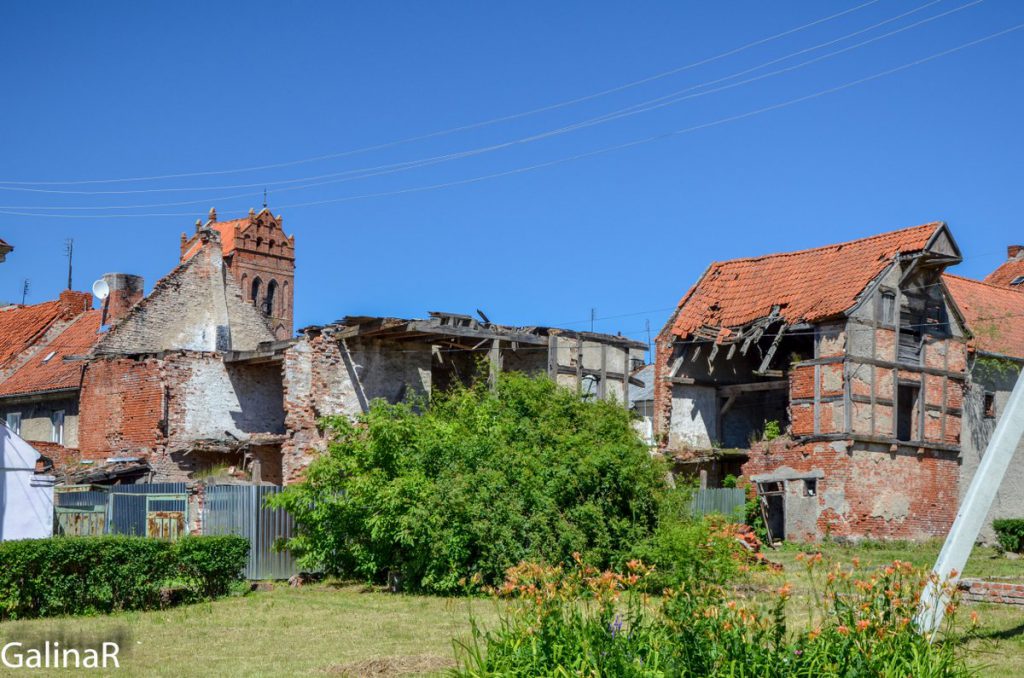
(474, 483)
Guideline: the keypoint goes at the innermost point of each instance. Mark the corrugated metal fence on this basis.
(150, 509)
(161, 510)
(240, 509)
(728, 501)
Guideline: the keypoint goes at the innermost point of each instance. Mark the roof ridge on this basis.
(934, 224)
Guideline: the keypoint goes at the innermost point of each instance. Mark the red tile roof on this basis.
(227, 230)
(46, 372)
(994, 314)
(1007, 272)
(808, 285)
(21, 326)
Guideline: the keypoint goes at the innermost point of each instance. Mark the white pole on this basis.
(973, 511)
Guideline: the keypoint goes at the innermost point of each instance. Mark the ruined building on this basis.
(202, 374)
(875, 366)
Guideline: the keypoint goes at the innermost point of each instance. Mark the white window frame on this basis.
(57, 427)
(13, 422)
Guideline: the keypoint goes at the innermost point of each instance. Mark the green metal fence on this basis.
(728, 501)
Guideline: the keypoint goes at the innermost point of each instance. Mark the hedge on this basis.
(1010, 533)
(88, 575)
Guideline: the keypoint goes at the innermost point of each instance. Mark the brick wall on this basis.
(978, 591)
(866, 490)
(121, 408)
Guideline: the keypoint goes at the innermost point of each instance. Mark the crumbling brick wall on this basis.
(198, 307)
(121, 408)
(324, 376)
(862, 490)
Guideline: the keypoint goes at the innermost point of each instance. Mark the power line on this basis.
(475, 125)
(393, 168)
(579, 156)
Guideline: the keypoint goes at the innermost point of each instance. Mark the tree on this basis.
(474, 483)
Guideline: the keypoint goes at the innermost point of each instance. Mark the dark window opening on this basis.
(1017, 281)
(810, 487)
(990, 406)
(906, 407)
(268, 303)
(257, 284)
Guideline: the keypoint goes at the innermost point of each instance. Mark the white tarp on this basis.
(26, 499)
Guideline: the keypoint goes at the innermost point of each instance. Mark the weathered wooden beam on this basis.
(727, 405)
(771, 351)
(680, 380)
(579, 364)
(553, 357)
(738, 389)
(494, 357)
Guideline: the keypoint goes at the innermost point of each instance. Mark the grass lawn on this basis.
(314, 630)
(351, 630)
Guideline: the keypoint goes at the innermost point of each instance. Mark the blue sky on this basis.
(98, 91)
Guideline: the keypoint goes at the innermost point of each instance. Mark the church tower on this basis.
(262, 259)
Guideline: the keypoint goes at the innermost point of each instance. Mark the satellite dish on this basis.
(100, 289)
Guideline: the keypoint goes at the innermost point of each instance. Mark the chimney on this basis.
(125, 292)
(1013, 252)
(74, 303)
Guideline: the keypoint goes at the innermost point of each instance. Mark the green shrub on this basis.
(1010, 533)
(210, 565)
(88, 575)
(687, 551)
(583, 622)
(475, 483)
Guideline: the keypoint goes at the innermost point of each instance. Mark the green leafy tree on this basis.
(475, 483)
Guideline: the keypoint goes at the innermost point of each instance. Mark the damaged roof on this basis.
(803, 286)
(994, 314)
(459, 326)
(48, 370)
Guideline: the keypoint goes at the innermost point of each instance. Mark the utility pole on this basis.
(973, 511)
(593, 317)
(24, 290)
(69, 251)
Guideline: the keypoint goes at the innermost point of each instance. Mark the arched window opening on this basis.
(268, 305)
(259, 241)
(256, 285)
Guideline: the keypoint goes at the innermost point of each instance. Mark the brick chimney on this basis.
(125, 292)
(74, 303)
(1014, 252)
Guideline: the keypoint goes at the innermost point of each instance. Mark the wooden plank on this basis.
(553, 357)
(727, 405)
(771, 351)
(579, 364)
(602, 385)
(888, 364)
(680, 380)
(427, 327)
(494, 357)
(736, 389)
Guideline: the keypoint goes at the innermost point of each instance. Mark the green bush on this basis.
(475, 483)
(1010, 533)
(690, 550)
(88, 575)
(210, 565)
